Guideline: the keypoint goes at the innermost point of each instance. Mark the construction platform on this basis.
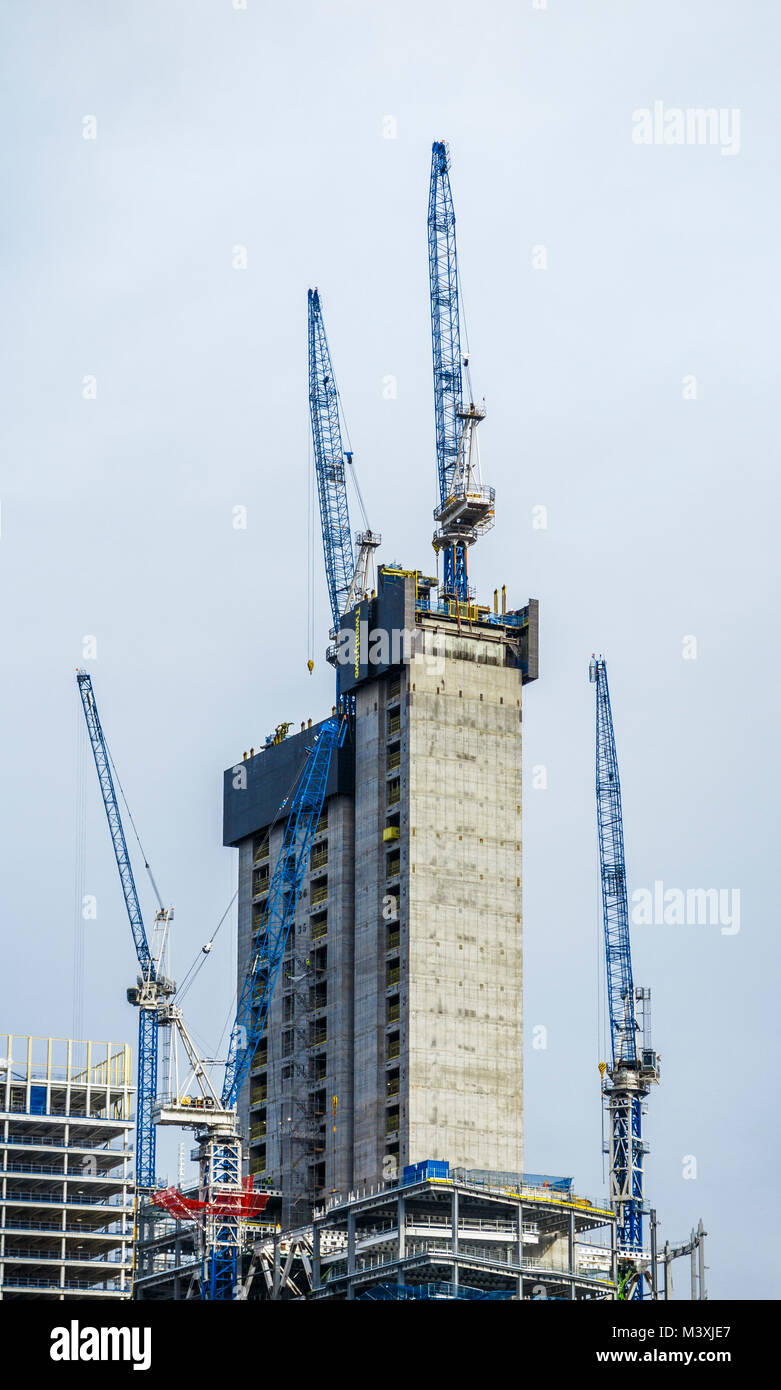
(461, 1236)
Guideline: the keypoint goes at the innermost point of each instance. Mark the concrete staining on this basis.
(464, 1089)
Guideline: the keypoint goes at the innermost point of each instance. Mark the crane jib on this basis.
(445, 323)
(329, 463)
(146, 1143)
(613, 877)
(111, 806)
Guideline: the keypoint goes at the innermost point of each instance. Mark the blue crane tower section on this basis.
(305, 809)
(148, 1008)
(632, 1068)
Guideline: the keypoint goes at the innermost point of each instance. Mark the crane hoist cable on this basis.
(205, 950)
(351, 471)
(79, 882)
(467, 356)
(132, 822)
(202, 956)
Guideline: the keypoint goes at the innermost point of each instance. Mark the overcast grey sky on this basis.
(266, 128)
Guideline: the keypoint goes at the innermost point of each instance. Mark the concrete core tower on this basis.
(395, 1033)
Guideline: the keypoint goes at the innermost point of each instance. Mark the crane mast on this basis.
(466, 507)
(153, 988)
(633, 1068)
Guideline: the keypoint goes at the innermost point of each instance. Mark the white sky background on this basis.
(265, 127)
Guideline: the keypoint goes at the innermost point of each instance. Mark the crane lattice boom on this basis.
(111, 804)
(615, 907)
(445, 325)
(632, 1069)
(466, 507)
(151, 989)
(330, 463)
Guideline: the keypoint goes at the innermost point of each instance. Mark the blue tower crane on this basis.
(220, 1142)
(348, 580)
(220, 1147)
(634, 1067)
(153, 988)
(466, 508)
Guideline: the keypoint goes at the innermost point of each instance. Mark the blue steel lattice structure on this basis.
(620, 990)
(445, 347)
(284, 889)
(151, 987)
(221, 1154)
(445, 325)
(330, 463)
(632, 1069)
(220, 1163)
(466, 508)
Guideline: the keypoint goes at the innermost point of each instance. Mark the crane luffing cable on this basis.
(147, 865)
(350, 461)
(202, 956)
(200, 959)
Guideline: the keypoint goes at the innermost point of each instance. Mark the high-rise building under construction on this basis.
(395, 1031)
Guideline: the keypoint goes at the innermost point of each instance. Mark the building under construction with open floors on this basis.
(449, 1234)
(433, 1233)
(66, 1202)
(395, 1030)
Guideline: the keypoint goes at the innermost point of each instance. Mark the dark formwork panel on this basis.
(270, 777)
